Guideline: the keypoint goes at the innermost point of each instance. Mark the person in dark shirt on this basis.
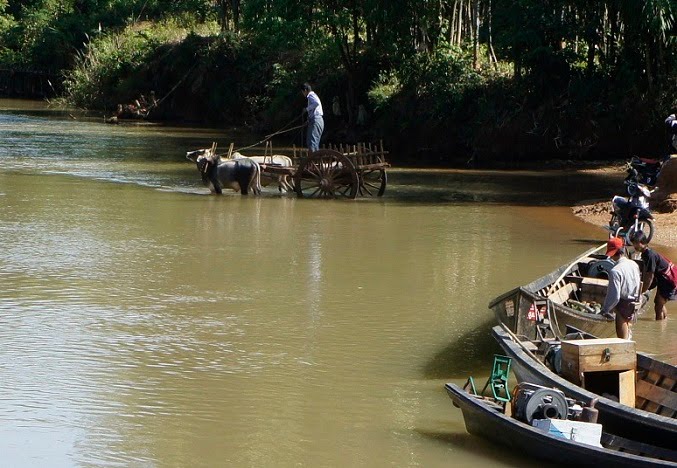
(671, 130)
(658, 273)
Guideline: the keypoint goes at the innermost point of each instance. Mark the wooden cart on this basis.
(336, 171)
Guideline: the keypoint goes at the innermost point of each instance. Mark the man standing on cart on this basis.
(315, 118)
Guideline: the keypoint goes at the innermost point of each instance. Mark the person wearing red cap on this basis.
(623, 292)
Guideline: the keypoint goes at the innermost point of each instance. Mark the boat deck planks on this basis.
(653, 394)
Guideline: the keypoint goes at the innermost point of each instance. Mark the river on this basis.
(148, 323)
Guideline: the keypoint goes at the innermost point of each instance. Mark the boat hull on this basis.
(525, 308)
(483, 420)
(513, 310)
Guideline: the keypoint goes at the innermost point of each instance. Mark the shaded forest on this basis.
(443, 82)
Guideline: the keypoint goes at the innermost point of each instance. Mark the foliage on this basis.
(440, 79)
(105, 69)
(480, 66)
(384, 89)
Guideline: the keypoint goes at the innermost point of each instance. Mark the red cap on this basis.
(613, 246)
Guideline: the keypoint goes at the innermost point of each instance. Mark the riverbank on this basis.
(597, 212)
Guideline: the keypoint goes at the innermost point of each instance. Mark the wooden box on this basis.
(605, 365)
(594, 289)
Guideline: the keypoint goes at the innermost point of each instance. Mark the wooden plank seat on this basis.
(563, 293)
(657, 396)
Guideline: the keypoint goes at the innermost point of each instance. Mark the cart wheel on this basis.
(326, 174)
(373, 182)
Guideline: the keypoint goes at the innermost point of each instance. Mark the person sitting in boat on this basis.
(659, 273)
(623, 292)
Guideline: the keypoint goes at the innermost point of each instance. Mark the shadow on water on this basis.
(473, 350)
(549, 188)
(471, 353)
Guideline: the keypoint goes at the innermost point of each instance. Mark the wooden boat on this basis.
(487, 420)
(650, 418)
(560, 299)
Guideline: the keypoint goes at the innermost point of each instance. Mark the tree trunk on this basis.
(591, 40)
(356, 26)
(459, 30)
(452, 24)
(491, 55)
(476, 34)
(649, 67)
(235, 6)
(223, 15)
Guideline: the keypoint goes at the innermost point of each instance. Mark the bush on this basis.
(440, 79)
(104, 71)
(386, 86)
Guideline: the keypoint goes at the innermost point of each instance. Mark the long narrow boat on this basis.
(564, 297)
(653, 419)
(487, 420)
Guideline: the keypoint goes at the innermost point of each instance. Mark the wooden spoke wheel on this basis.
(326, 174)
(373, 182)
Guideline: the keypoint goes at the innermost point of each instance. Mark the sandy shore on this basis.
(598, 212)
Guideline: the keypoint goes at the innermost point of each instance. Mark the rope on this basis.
(157, 103)
(279, 132)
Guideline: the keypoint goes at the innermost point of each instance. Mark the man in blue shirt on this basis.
(315, 118)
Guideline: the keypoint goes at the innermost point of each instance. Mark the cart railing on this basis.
(361, 154)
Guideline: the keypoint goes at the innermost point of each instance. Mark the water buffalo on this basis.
(242, 175)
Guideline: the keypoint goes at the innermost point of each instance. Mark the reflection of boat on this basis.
(650, 412)
(564, 297)
(485, 419)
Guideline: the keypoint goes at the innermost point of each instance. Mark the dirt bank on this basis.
(598, 212)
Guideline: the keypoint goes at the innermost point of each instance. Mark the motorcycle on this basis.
(631, 214)
(644, 170)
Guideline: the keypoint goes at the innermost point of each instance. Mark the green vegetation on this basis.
(494, 82)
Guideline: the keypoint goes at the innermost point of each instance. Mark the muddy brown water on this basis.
(147, 323)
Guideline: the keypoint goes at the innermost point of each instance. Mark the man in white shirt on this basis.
(315, 118)
(623, 292)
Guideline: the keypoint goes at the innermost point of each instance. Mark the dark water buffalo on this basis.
(238, 174)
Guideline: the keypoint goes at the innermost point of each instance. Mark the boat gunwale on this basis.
(544, 280)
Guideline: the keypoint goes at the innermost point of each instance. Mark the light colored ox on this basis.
(240, 175)
(283, 180)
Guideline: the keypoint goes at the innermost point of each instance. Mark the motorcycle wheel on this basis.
(646, 226)
(615, 227)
